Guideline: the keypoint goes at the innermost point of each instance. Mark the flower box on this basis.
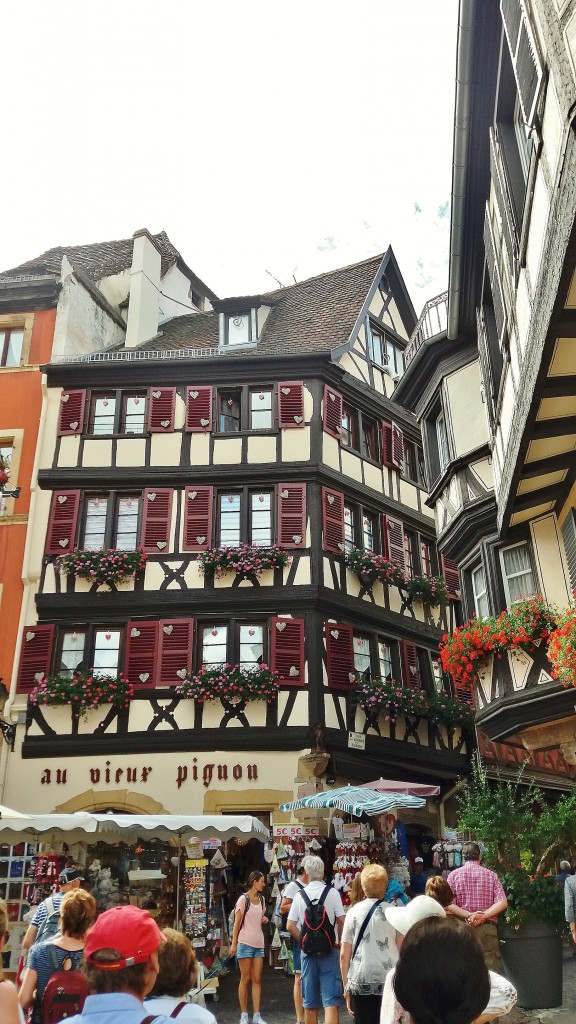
(248, 558)
(377, 696)
(107, 565)
(231, 683)
(82, 691)
(371, 568)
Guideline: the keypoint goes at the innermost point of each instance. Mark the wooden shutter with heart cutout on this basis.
(156, 519)
(287, 650)
(292, 515)
(174, 651)
(71, 417)
(61, 533)
(141, 653)
(449, 569)
(332, 412)
(393, 541)
(340, 656)
(198, 503)
(333, 520)
(161, 405)
(290, 404)
(410, 665)
(35, 656)
(198, 409)
(392, 445)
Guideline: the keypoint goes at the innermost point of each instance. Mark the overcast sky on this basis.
(265, 136)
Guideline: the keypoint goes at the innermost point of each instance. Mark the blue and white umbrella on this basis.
(355, 800)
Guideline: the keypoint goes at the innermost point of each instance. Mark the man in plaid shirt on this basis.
(480, 892)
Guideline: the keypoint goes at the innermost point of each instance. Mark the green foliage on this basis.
(533, 897)
(107, 565)
(83, 690)
(391, 699)
(247, 558)
(235, 683)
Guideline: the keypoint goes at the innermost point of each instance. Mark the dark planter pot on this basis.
(532, 956)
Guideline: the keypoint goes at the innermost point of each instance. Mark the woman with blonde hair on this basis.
(77, 914)
(9, 1009)
(356, 891)
(368, 948)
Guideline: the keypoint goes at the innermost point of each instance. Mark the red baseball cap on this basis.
(129, 930)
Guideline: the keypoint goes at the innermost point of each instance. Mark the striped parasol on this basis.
(355, 800)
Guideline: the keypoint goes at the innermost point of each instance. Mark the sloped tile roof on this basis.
(315, 315)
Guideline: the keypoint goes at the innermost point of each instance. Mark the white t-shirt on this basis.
(314, 890)
(191, 1013)
(377, 952)
(289, 891)
(502, 998)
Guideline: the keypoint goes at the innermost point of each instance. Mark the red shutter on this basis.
(141, 653)
(71, 419)
(452, 577)
(332, 417)
(287, 650)
(464, 694)
(410, 665)
(156, 518)
(292, 515)
(340, 656)
(290, 403)
(61, 535)
(174, 651)
(35, 656)
(197, 518)
(198, 409)
(392, 445)
(161, 402)
(333, 520)
(393, 541)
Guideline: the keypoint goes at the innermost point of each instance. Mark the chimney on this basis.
(144, 301)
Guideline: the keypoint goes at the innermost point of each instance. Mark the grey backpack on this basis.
(50, 926)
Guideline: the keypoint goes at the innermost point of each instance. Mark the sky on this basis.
(271, 140)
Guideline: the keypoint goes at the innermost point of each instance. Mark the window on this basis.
(360, 527)
(426, 558)
(413, 462)
(442, 440)
(369, 438)
(437, 676)
(238, 329)
(385, 351)
(357, 431)
(11, 342)
(94, 648)
(348, 432)
(111, 521)
(239, 643)
(480, 592)
(117, 412)
(409, 548)
(377, 346)
(518, 576)
(245, 517)
(5, 467)
(395, 354)
(245, 409)
(374, 656)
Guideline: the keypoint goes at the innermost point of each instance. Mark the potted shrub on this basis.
(247, 558)
(378, 696)
(232, 683)
(107, 565)
(82, 691)
(427, 589)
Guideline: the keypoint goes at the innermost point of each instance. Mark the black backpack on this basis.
(317, 937)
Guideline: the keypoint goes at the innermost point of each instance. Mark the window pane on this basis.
(106, 652)
(347, 434)
(230, 519)
(369, 436)
(348, 527)
(377, 347)
(127, 523)
(261, 518)
(361, 646)
(437, 676)
(229, 411)
(73, 645)
(368, 532)
(260, 410)
(95, 523)
(5, 464)
(426, 558)
(214, 645)
(518, 572)
(238, 329)
(443, 454)
(251, 645)
(103, 413)
(409, 553)
(480, 594)
(134, 414)
(14, 348)
(384, 659)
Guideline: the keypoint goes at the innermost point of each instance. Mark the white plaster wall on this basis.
(82, 326)
(523, 310)
(507, 410)
(165, 449)
(483, 470)
(549, 556)
(295, 445)
(115, 287)
(331, 451)
(409, 494)
(68, 453)
(130, 451)
(466, 410)
(97, 453)
(356, 367)
(47, 436)
(394, 320)
(227, 451)
(199, 449)
(262, 449)
(552, 128)
(373, 477)
(538, 221)
(351, 465)
(175, 285)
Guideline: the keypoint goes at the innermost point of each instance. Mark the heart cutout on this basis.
(341, 546)
(164, 423)
(74, 425)
(144, 676)
(298, 419)
(64, 542)
(62, 498)
(331, 396)
(181, 673)
(161, 544)
(193, 394)
(280, 626)
(200, 540)
(38, 676)
(413, 670)
(284, 493)
(293, 671)
(167, 629)
(204, 423)
(192, 495)
(297, 538)
(156, 394)
(65, 398)
(151, 496)
(134, 632)
(330, 499)
(334, 633)
(30, 636)
(352, 677)
(285, 391)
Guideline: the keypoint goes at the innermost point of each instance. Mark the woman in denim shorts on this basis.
(248, 945)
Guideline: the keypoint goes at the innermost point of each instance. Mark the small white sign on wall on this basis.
(357, 741)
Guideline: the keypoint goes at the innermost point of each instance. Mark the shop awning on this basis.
(408, 788)
(355, 800)
(114, 827)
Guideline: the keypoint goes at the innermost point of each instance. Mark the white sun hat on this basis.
(421, 907)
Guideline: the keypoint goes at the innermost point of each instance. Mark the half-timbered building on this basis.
(260, 420)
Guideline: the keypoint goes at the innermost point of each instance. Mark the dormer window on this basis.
(239, 328)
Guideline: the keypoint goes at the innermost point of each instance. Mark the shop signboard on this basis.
(356, 741)
(294, 831)
(351, 830)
